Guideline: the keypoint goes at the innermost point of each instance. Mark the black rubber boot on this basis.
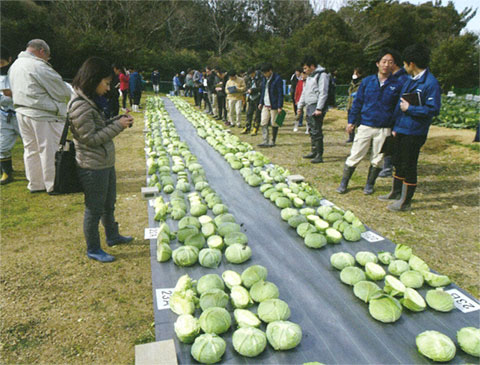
(404, 203)
(387, 167)
(372, 176)
(313, 153)
(396, 191)
(6, 171)
(319, 149)
(274, 136)
(347, 174)
(317, 159)
(112, 233)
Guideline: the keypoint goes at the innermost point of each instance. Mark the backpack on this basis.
(331, 89)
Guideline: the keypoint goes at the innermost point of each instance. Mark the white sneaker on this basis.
(295, 129)
(306, 132)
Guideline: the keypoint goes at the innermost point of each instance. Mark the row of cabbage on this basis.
(252, 330)
(300, 203)
(407, 273)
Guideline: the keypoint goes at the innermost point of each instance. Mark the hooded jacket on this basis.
(92, 133)
(315, 90)
(38, 90)
(275, 91)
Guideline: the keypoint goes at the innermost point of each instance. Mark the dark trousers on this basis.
(100, 190)
(405, 156)
(222, 108)
(124, 98)
(315, 129)
(206, 100)
(136, 96)
(253, 110)
(197, 96)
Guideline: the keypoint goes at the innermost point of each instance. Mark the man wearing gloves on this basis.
(314, 98)
(40, 98)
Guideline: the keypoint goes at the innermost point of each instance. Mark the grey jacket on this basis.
(38, 90)
(315, 91)
(92, 133)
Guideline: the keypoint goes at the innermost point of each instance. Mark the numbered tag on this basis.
(151, 233)
(462, 302)
(327, 203)
(163, 298)
(371, 237)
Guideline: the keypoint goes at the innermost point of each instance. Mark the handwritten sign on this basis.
(371, 237)
(163, 298)
(462, 302)
(151, 233)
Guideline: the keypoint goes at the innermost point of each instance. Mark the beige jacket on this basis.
(239, 83)
(92, 133)
(38, 90)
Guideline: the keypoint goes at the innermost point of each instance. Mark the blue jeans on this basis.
(100, 189)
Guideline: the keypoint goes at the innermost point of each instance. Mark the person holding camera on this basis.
(95, 154)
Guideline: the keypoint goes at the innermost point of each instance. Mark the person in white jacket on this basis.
(40, 98)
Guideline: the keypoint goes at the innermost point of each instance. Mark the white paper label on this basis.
(151, 202)
(371, 236)
(163, 298)
(462, 302)
(327, 203)
(151, 233)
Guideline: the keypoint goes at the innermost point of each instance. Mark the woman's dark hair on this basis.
(90, 74)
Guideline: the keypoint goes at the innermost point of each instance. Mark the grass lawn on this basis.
(57, 306)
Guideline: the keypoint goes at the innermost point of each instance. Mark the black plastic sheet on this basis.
(337, 328)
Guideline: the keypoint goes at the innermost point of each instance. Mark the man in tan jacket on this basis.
(40, 98)
(235, 88)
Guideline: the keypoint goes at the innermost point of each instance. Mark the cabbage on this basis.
(237, 254)
(185, 255)
(296, 220)
(228, 227)
(231, 278)
(215, 320)
(393, 286)
(224, 218)
(435, 346)
(177, 213)
(385, 257)
(283, 335)
(374, 271)
(403, 252)
(236, 237)
(413, 300)
(253, 274)
(208, 229)
(436, 280)
(363, 257)
(273, 310)
(398, 267)
(385, 308)
(349, 216)
(469, 340)
(187, 328)
(209, 281)
(282, 202)
(240, 297)
(315, 240)
(333, 217)
(215, 242)
(263, 290)
(184, 282)
(182, 302)
(352, 234)
(208, 348)
(321, 225)
(365, 290)
(341, 260)
(186, 232)
(439, 300)
(305, 228)
(213, 298)
(417, 264)
(333, 236)
(164, 252)
(324, 210)
(352, 275)
(245, 318)
(197, 240)
(412, 279)
(188, 221)
(288, 213)
(219, 209)
(249, 341)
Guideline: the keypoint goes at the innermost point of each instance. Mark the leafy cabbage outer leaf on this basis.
(341, 260)
(351, 233)
(263, 290)
(333, 236)
(413, 300)
(284, 335)
(249, 341)
(315, 240)
(240, 297)
(183, 302)
(412, 279)
(215, 242)
(436, 280)
(185, 255)
(365, 290)
(231, 278)
(184, 282)
(273, 310)
(435, 346)
(209, 281)
(352, 275)
(215, 320)
(398, 267)
(208, 348)
(374, 271)
(393, 286)
(253, 274)
(288, 213)
(403, 252)
(363, 257)
(246, 318)
(385, 257)
(416, 263)
(439, 300)
(469, 340)
(187, 328)
(164, 252)
(213, 298)
(385, 308)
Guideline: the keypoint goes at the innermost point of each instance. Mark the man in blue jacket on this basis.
(271, 103)
(372, 110)
(412, 122)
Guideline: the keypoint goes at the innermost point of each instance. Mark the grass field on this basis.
(57, 306)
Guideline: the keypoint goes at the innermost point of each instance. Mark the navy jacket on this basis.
(417, 119)
(135, 82)
(373, 104)
(155, 78)
(275, 90)
(401, 75)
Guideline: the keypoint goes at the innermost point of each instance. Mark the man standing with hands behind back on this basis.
(40, 98)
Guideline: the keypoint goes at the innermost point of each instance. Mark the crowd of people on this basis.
(389, 114)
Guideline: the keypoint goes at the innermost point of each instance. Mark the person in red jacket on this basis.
(124, 81)
(297, 95)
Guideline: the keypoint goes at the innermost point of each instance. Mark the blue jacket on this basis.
(401, 75)
(135, 82)
(417, 119)
(373, 104)
(275, 91)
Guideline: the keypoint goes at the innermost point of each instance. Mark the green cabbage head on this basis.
(187, 328)
(208, 348)
(272, 310)
(385, 308)
(469, 340)
(341, 260)
(435, 346)
(215, 320)
(284, 335)
(249, 341)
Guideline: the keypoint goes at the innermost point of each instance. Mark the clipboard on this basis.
(413, 98)
(280, 118)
